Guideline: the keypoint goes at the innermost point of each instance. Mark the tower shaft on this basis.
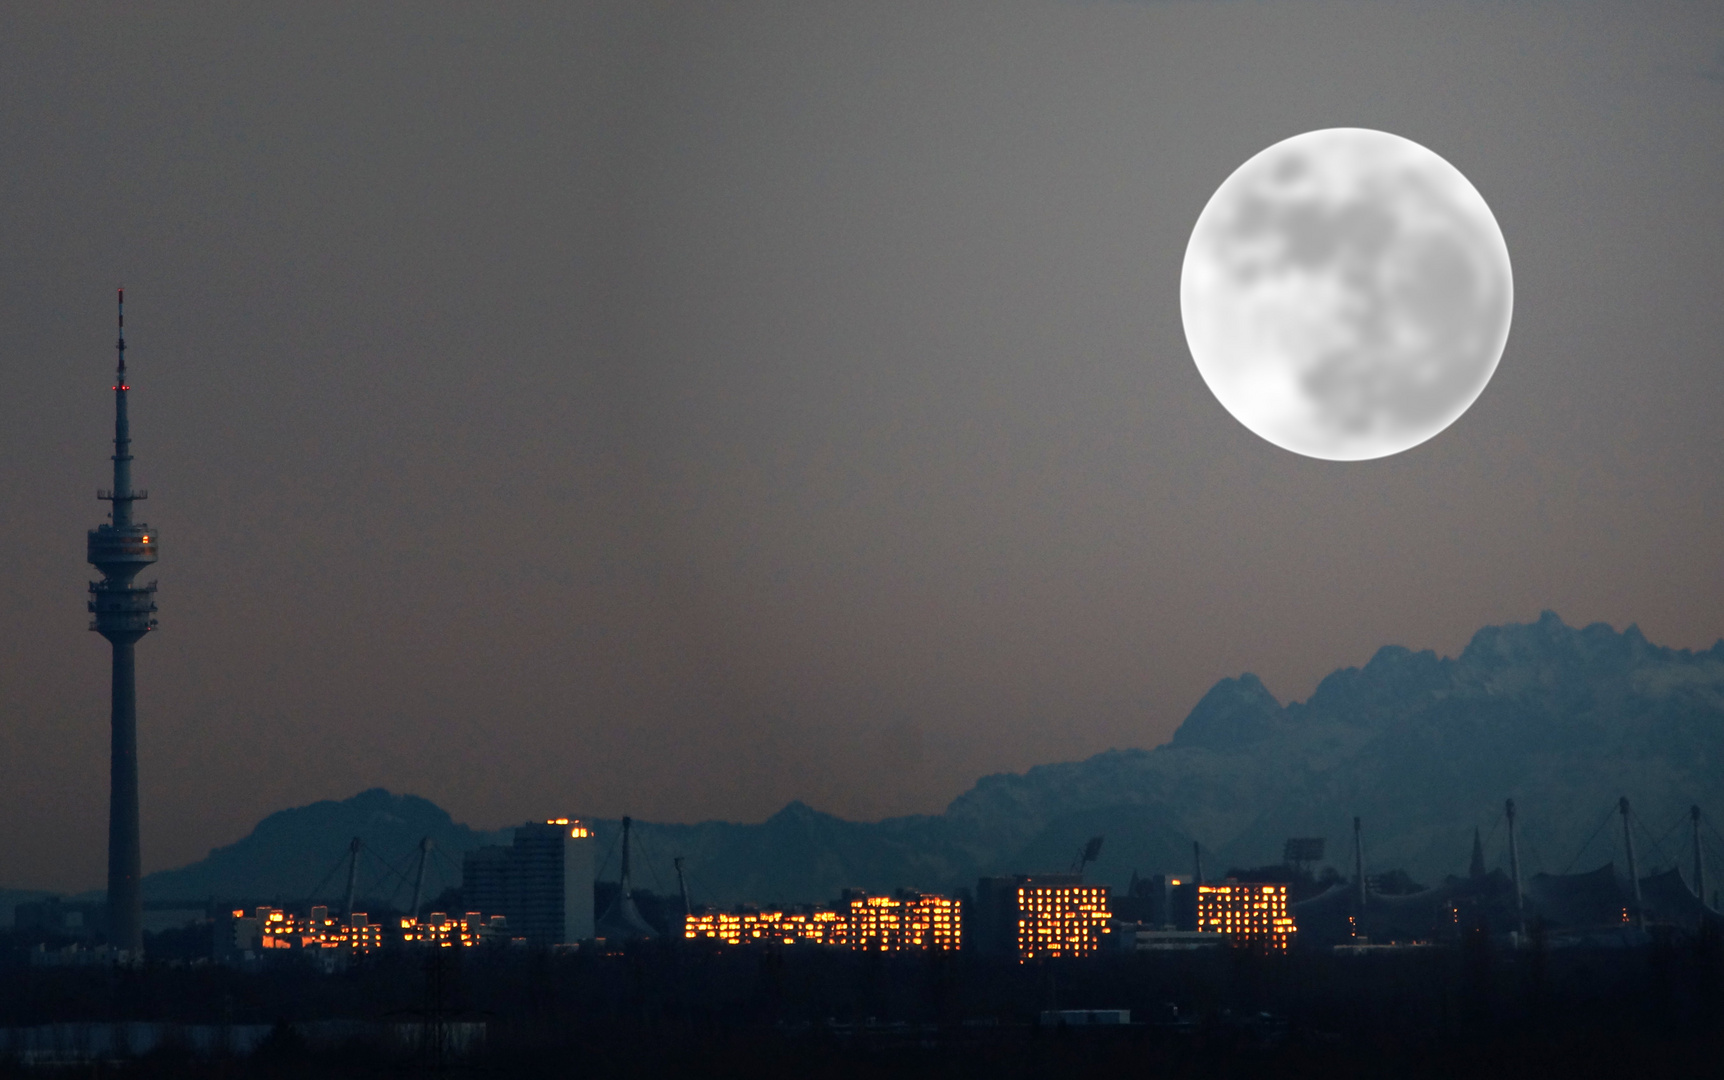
(125, 852)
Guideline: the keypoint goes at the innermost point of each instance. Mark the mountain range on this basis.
(1424, 749)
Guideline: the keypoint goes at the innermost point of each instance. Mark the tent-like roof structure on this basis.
(1423, 915)
(1668, 899)
(1597, 899)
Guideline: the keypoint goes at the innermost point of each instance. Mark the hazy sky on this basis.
(678, 409)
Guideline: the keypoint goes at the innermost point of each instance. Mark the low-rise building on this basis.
(860, 922)
(440, 929)
(1139, 937)
(1086, 1017)
(746, 927)
(268, 929)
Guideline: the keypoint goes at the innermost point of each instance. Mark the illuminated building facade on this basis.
(1059, 916)
(935, 922)
(439, 929)
(909, 921)
(895, 924)
(1249, 913)
(871, 924)
(269, 929)
(763, 927)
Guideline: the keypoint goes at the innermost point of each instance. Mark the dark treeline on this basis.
(662, 1009)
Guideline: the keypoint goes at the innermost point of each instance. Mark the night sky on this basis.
(679, 409)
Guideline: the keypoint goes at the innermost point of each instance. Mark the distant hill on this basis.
(300, 853)
(1423, 748)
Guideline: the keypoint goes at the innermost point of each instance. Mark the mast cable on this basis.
(1608, 814)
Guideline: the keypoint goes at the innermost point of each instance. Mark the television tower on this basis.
(124, 613)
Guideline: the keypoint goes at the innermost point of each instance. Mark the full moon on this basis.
(1346, 294)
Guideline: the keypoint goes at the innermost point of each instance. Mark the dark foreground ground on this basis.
(666, 1011)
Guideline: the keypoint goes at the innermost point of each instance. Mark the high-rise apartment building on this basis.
(551, 882)
(1060, 916)
(898, 923)
(1038, 915)
(1249, 913)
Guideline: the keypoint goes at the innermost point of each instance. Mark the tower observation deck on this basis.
(124, 612)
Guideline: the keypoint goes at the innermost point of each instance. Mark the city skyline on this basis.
(678, 412)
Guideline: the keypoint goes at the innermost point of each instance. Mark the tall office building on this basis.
(550, 882)
(124, 612)
(485, 880)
